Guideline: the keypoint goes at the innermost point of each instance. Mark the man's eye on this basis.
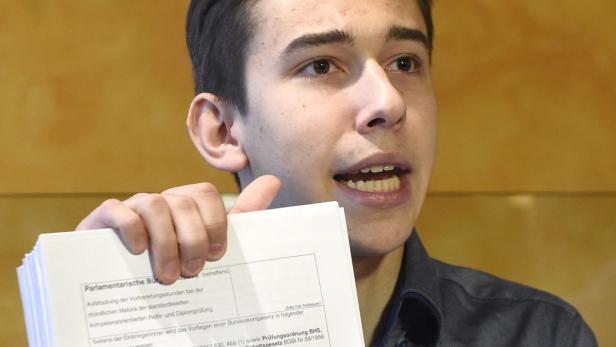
(318, 67)
(405, 64)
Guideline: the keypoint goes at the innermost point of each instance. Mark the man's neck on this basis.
(375, 278)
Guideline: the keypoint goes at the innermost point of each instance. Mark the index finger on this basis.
(212, 211)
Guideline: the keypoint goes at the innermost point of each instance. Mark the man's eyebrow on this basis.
(404, 33)
(318, 39)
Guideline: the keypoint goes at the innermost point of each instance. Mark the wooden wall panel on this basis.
(527, 95)
(94, 98)
(95, 94)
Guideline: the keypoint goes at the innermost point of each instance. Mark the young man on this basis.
(310, 101)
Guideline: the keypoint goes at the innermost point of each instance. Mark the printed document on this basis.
(285, 280)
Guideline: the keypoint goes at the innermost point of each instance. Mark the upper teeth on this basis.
(378, 168)
(378, 186)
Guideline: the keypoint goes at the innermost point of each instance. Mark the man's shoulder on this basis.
(478, 305)
(483, 286)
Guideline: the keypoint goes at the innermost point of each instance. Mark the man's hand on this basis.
(182, 227)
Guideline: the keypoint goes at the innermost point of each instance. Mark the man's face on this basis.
(341, 107)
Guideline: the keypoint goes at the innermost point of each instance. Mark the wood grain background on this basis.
(93, 97)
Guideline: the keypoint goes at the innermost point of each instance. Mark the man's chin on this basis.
(376, 244)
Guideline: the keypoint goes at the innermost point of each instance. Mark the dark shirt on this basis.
(437, 304)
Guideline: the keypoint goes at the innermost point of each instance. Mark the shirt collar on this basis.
(420, 311)
(419, 271)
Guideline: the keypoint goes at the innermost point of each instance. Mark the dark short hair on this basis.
(218, 33)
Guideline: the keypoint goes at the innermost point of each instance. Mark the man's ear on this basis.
(212, 127)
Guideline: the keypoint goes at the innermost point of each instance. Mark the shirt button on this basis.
(403, 343)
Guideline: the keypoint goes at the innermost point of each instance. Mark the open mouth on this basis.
(374, 179)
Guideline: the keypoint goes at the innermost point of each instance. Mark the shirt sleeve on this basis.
(580, 334)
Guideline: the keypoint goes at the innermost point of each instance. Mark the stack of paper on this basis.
(286, 279)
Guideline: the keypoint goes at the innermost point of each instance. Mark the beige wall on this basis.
(94, 94)
(528, 93)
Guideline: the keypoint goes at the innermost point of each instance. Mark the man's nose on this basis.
(381, 105)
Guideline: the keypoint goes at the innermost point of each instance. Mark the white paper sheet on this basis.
(286, 279)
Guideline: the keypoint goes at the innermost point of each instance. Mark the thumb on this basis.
(258, 195)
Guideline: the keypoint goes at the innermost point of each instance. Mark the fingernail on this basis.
(216, 249)
(194, 265)
(171, 270)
